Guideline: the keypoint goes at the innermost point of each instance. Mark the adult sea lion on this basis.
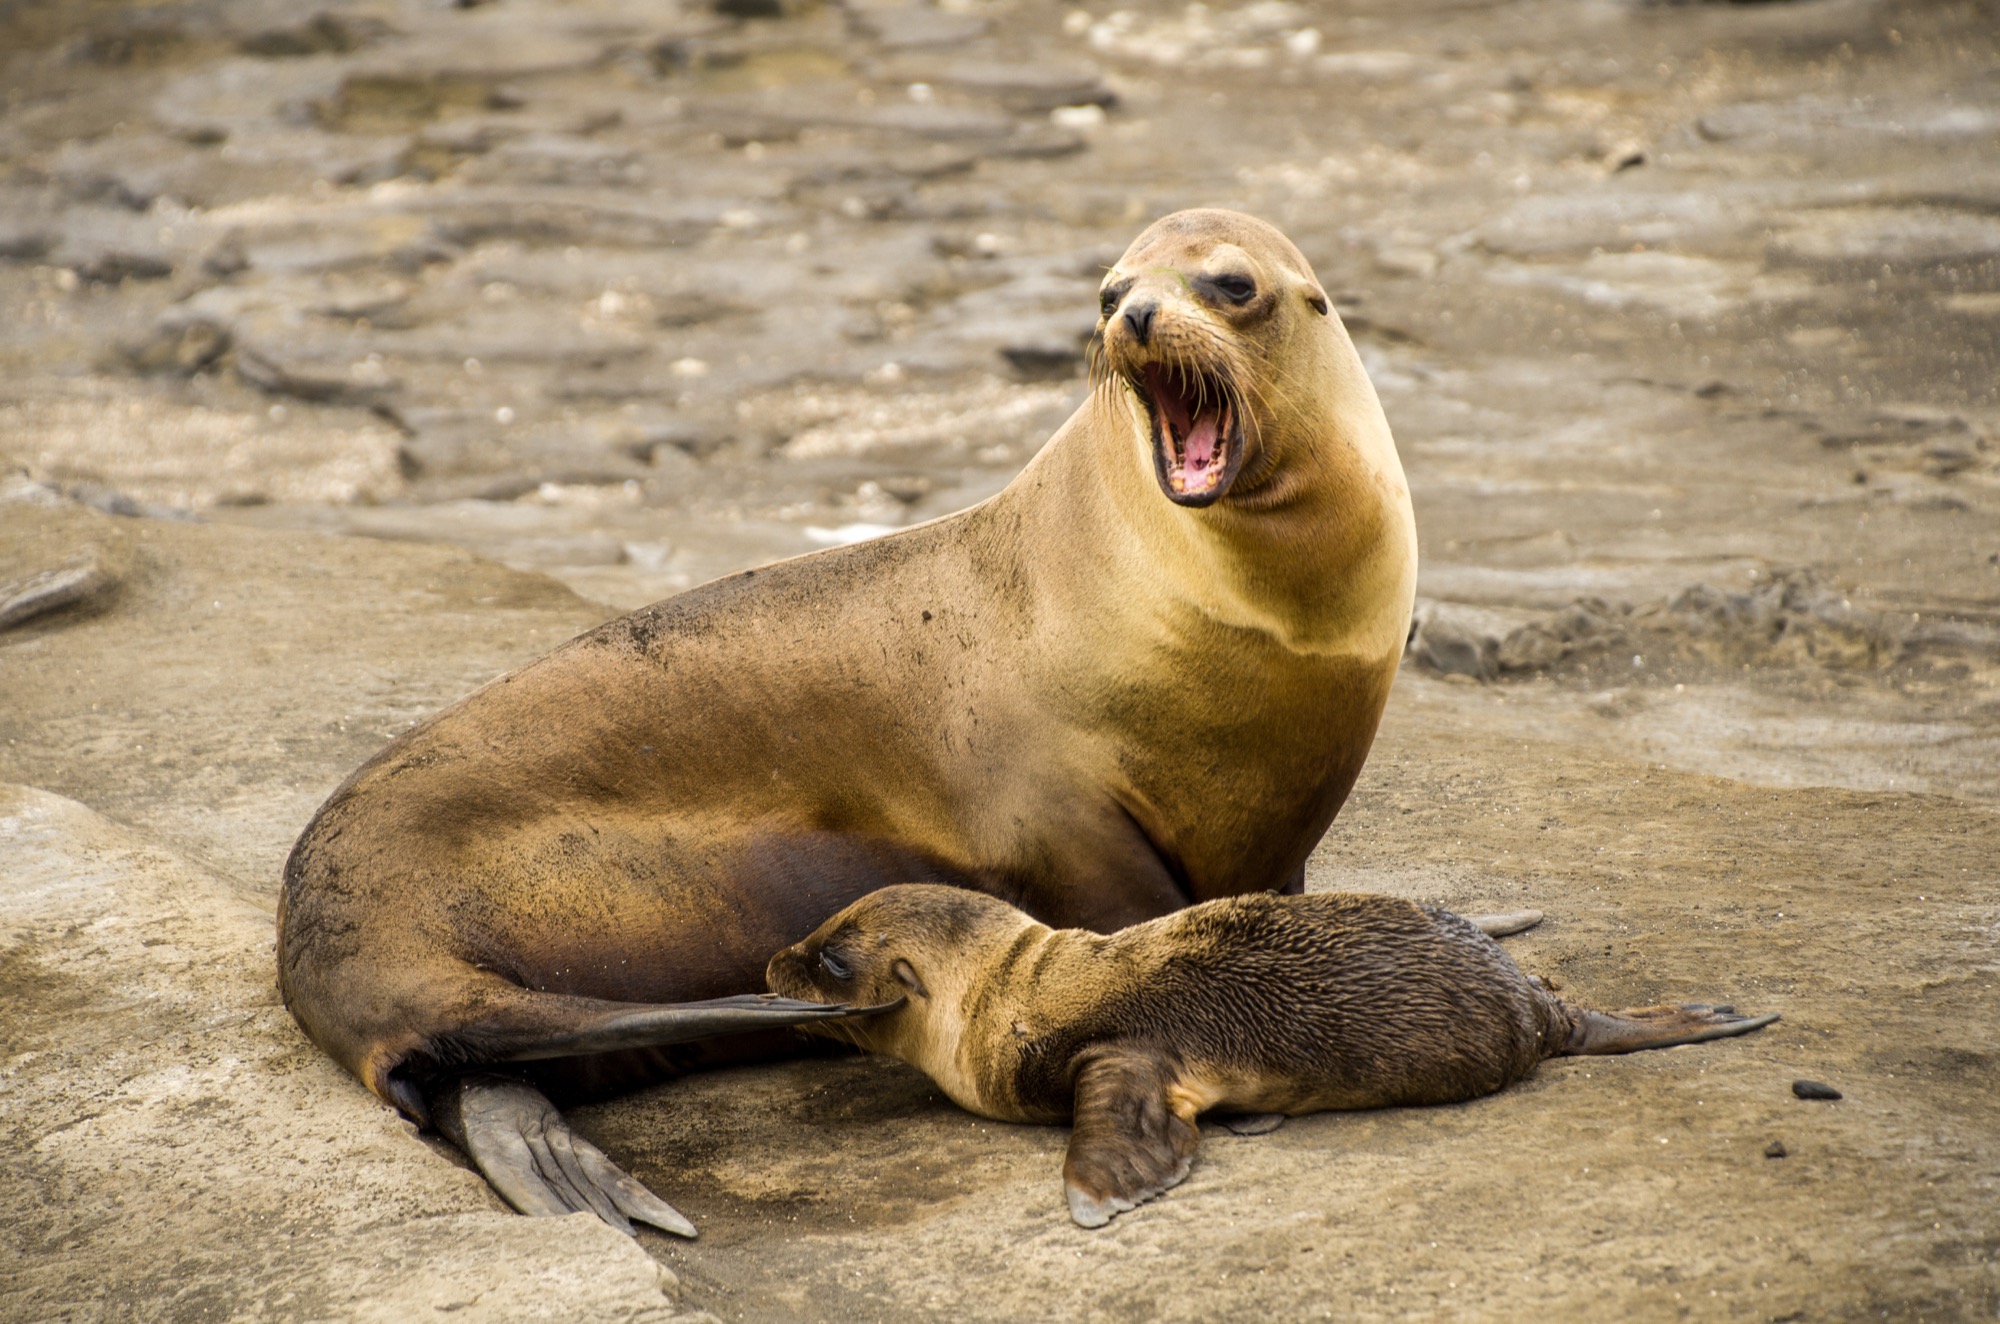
(1143, 675)
(1257, 1004)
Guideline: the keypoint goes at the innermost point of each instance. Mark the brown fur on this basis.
(1078, 696)
(1258, 1004)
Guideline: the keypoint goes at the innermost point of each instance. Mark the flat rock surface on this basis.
(355, 355)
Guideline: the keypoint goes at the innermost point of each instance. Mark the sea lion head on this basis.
(903, 957)
(1212, 322)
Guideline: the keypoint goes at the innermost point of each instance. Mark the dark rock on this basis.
(26, 246)
(1028, 88)
(1044, 361)
(1776, 1149)
(115, 268)
(322, 34)
(1452, 647)
(1813, 1089)
(180, 347)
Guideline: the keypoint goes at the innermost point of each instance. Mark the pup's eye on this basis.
(1107, 302)
(1237, 289)
(833, 965)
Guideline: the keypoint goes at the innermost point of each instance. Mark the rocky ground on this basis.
(355, 354)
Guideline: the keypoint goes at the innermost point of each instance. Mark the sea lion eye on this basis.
(833, 965)
(1234, 287)
(1107, 302)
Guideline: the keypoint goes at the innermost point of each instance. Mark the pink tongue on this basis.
(1198, 451)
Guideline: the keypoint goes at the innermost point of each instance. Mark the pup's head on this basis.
(910, 950)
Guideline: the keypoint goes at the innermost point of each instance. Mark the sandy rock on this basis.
(180, 1148)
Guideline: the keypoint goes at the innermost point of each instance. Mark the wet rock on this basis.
(126, 170)
(1888, 234)
(341, 239)
(558, 159)
(1813, 1089)
(911, 26)
(270, 370)
(548, 218)
(131, 39)
(1024, 88)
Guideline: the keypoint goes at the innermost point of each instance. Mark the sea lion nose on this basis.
(1139, 317)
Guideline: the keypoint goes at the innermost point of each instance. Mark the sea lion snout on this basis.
(1192, 316)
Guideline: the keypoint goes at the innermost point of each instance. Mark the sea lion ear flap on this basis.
(906, 975)
(1131, 1141)
(1315, 293)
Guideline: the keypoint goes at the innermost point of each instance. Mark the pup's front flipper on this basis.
(1135, 1133)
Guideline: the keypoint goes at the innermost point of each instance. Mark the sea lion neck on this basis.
(1299, 552)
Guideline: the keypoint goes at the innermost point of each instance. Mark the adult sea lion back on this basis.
(1145, 674)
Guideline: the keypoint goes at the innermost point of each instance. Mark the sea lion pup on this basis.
(1256, 1004)
(1143, 675)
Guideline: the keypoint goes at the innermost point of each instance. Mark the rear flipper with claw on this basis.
(1595, 1033)
(518, 1139)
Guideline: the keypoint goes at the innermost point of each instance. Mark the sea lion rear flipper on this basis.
(527, 1151)
(1248, 1124)
(1133, 1137)
(1505, 925)
(1595, 1033)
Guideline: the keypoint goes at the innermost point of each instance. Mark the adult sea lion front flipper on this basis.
(1134, 1134)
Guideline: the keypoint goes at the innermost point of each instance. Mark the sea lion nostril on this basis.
(1139, 317)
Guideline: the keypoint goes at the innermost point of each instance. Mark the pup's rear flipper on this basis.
(1506, 924)
(1594, 1033)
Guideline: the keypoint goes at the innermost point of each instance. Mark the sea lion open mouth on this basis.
(1197, 431)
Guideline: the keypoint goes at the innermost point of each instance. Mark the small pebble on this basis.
(1776, 1149)
(1812, 1089)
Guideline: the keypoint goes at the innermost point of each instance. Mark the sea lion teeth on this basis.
(1133, 1035)
(599, 851)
